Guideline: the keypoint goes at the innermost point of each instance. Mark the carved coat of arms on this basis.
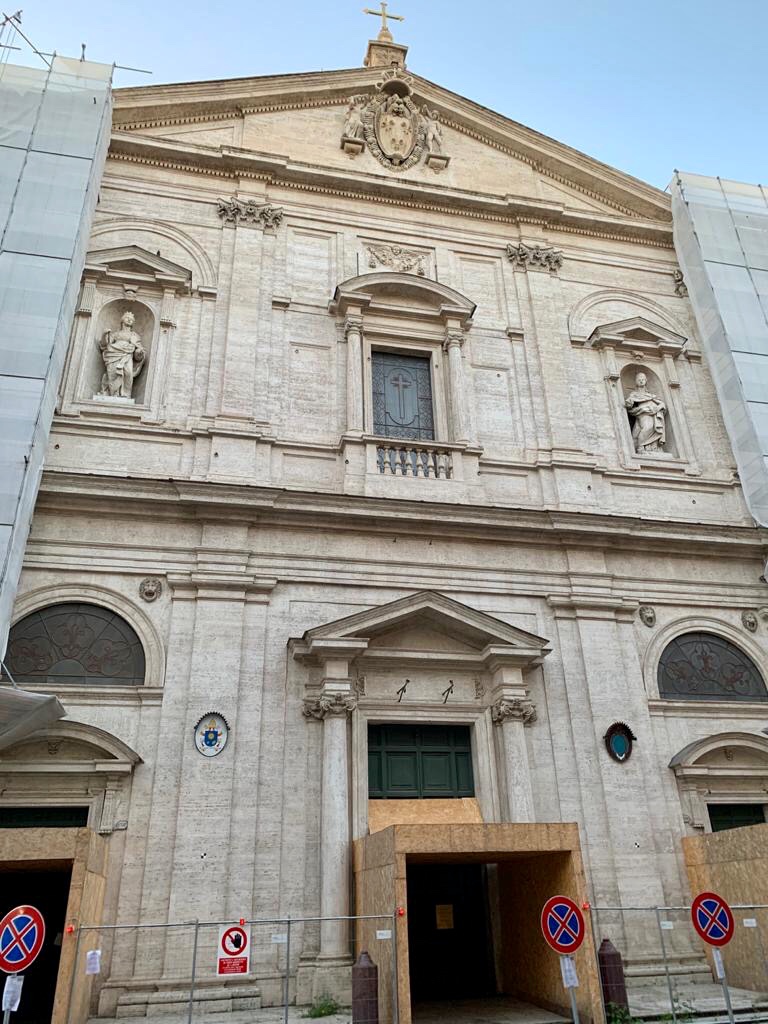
(395, 130)
(396, 124)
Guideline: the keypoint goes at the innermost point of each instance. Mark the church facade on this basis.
(388, 488)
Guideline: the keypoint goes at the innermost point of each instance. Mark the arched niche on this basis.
(157, 291)
(629, 384)
(626, 347)
(727, 769)
(108, 319)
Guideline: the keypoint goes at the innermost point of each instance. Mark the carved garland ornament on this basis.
(406, 261)
(517, 710)
(535, 257)
(329, 705)
(234, 210)
(390, 123)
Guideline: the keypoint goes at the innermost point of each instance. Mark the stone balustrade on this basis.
(415, 458)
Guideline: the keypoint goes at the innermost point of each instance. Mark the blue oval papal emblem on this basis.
(211, 734)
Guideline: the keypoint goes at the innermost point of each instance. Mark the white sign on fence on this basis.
(383, 933)
(667, 926)
(93, 961)
(750, 922)
(280, 939)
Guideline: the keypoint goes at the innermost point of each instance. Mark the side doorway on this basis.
(449, 934)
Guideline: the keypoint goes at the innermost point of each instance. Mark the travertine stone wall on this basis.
(236, 481)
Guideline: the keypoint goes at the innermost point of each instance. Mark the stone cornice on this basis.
(236, 164)
(199, 500)
(183, 103)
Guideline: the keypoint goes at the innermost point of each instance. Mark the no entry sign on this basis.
(234, 953)
(22, 931)
(562, 924)
(712, 918)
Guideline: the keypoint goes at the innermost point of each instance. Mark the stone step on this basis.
(651, 970)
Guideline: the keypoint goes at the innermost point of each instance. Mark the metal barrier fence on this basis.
(670, 971)
(172, 971)
(169, 972)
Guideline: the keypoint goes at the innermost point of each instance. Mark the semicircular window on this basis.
(75, 645)
(702, 666)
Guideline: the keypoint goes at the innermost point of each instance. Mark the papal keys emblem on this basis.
(211, 734)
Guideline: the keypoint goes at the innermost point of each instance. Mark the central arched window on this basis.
(75, 645)
(703, 666)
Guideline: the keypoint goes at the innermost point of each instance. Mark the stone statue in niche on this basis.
(123, 357)
(649, 430)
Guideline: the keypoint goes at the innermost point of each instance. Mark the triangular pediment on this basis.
(294, 124)
(637, 334)
(415, 618)
(133, 262)
(421, 635)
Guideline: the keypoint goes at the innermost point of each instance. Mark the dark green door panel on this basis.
(419, 761)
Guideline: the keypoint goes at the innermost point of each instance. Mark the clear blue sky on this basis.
(644, 85)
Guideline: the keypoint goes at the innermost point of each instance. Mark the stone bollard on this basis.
(365, 990)
(612, 975)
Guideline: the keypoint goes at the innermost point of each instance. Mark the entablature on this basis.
(243, 502)
(280, 170)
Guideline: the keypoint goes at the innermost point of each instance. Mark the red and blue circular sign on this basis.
(22, 932)
(562, 924)
(712, 918)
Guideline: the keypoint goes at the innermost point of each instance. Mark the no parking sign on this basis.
(712, 918)
(22, 932)
(562, 924)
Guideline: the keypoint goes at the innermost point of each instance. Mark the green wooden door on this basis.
(414, 762)
(725, 816)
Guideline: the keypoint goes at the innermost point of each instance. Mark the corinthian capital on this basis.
(352, 323)
(453, 337)
(517, 710)
(329, 705)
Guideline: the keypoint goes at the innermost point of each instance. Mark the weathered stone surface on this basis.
(245, 478)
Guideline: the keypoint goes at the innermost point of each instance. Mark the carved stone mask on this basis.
(150, 588)
(647, 615)
(749, 621)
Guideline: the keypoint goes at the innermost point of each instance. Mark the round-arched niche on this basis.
(109, 319)
(648, 415)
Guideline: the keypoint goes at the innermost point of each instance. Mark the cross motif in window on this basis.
(401, 383)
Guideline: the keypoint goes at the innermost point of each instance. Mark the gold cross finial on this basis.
(384, 36)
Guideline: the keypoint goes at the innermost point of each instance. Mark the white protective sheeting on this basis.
(22, 713)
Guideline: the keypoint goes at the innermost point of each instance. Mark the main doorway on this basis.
(45, 885)
(449, 935)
